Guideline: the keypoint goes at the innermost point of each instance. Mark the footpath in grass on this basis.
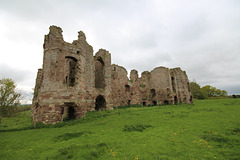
(207, 129)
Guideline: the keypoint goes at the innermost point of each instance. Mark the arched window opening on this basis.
(153, 92)
(129, 102)
(173, 84)
(100, 103)
(144, 103)
(71, 63)
(188, 87)
(127, 88)
(99, 73)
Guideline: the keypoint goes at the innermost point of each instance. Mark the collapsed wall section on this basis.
(103, 83)
(120, 86)
(181, 86)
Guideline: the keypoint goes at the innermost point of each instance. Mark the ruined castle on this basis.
(72, 82)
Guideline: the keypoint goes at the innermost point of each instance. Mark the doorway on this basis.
(100, 103)
(70, 110)
(154, 103)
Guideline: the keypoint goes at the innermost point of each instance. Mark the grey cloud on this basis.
(17, 74)
(201, 37)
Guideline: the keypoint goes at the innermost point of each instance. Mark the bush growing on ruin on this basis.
(9, 97)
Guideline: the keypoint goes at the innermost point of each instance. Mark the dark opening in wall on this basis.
(100, 103)
(70, 111)
(191, 99)
(153, 92)
(173, 85)
(127, 88)
(154, 103)
(72, 69)
(188, 86)
(78, 52)
(165, 102)
(99, 73)
(144, 103)
(129, 102)
(62, 110)
(175, 100)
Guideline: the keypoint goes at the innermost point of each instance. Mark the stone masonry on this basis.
(72, 82)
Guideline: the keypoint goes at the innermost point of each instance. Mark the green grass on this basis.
(208, 129)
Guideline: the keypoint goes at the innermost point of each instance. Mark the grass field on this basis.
(207, 129)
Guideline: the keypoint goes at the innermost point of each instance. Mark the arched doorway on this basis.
(100, 103)
(154, 103)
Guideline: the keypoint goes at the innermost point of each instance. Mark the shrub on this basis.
(9, 97)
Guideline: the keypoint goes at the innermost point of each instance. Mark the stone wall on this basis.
(73, 81)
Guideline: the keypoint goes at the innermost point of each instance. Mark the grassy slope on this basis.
(209, 129)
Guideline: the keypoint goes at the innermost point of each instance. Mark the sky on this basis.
(201, 37)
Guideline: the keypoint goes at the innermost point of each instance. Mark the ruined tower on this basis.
(73, 81)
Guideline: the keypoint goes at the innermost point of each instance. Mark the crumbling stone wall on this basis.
(120, 86)
(73, 81)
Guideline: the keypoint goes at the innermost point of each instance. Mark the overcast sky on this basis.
(200, 36)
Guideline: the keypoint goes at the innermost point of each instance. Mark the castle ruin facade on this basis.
(72, 82)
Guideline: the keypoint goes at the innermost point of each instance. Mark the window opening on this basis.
(173, 85)
(127, 88)
(99, 73)
(129, 102)
(153, 92)
(72, 69)
(188, 87)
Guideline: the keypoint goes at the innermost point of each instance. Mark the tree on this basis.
(211, 91)
(196, 91)
(9, 97)
(223, 93)
(214, 92)
(206, 91)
